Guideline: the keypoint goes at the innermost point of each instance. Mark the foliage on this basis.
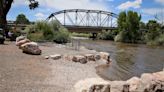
(153, 30)
(81, 34)
(62, 36)
(108, 35)
(5, 6)
(55, 25)
(128, 22)
(43, 31)
(21, 19)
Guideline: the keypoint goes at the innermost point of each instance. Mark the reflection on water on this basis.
(128, 59)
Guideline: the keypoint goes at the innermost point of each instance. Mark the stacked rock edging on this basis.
(27, 46)
(83, 59)
(148, 82)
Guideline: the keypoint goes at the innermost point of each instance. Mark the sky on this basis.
(147, 8)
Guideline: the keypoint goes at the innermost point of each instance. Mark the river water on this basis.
(128, 60)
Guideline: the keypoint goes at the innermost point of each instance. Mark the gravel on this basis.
(21, 72)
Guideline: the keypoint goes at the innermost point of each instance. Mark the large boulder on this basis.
(21, 42)
(31, 48)
(79, 58)
(20, 38)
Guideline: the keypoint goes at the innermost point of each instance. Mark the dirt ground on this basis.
(21, 72)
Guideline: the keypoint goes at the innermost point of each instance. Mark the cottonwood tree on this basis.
(128, 25)
(21, 19)
(5, 6)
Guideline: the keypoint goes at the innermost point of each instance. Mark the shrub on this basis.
(40, 31)
(43, 31)
(158, 41)
(62, 36)
(108, 35)
(81, 34)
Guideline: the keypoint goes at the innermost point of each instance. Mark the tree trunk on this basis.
(5, 6)
(3, 24)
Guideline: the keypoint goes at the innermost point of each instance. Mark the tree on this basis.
(21, 19)
(153, 30)
(128, 24)
(5, 6)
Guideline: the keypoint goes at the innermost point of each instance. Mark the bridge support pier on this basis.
(94, 35)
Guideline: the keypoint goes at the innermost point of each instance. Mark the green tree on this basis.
(128, 24)
(5, 6)
(122, 21)
(153, 30)
(21, 19)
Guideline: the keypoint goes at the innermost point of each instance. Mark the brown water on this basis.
(128, 59)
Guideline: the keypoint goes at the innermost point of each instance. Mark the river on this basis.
(128, 60)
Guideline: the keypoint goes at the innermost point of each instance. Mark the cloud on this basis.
(130, 4)
(160, 1)
(152, 11)
(20, 2)
(40, 16)
(70, 4)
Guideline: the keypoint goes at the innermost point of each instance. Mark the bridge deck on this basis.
(87, 29)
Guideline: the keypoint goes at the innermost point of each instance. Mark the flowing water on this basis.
(128, 59)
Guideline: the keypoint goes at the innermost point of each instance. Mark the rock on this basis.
(97, 57)
(68, 57)
(21, 42)
(134, 83)
(56, 56)
(159, 76)
(90, 84)
(146, 78)
(31, 48)
(155, 87)
(46, 57)
(105, 55)
(79, 58)
(20, 38)
(90, 57)
(118, 86)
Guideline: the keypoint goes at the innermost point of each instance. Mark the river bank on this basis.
(21, 72)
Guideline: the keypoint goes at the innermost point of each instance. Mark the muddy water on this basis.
(128, 59)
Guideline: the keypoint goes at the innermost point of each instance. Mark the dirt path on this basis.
(27, 73)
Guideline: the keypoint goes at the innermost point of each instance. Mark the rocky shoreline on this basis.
(67, 58)
(147, 83)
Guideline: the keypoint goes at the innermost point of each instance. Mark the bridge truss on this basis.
(85, 18)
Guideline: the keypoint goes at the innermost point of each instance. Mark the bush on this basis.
(108, 35)
(43, 31)
(81, 34)
(158, 41)
(40, 31)
(62, 36)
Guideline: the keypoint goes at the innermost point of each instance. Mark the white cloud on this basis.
(40, 16)
(152, 11)
(128, 4)
(70, 4)
(20, 2)
(160, 1)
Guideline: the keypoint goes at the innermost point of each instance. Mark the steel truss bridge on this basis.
(89, 21)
